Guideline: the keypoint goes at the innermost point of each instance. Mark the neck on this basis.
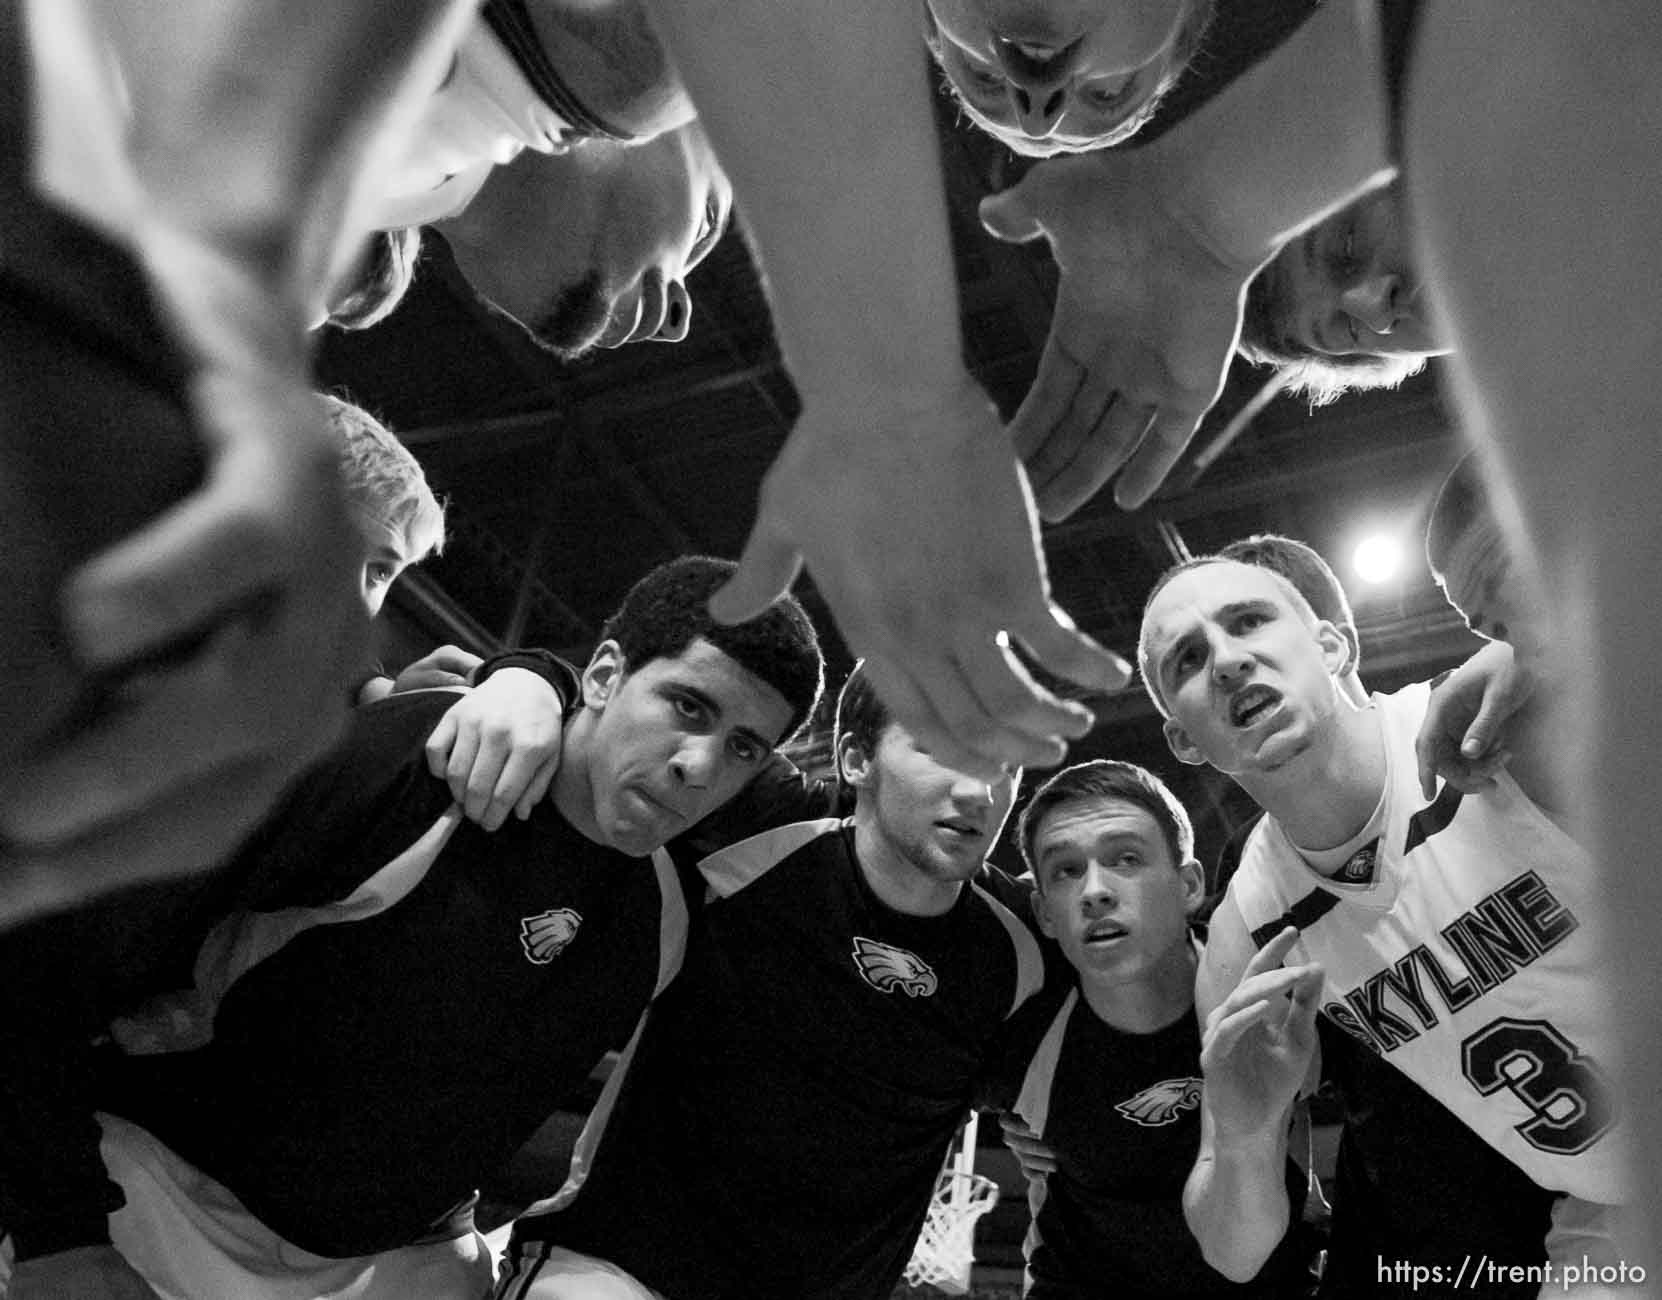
(571, 792)
(1328, 793)
(1161, 998)
(896, 880)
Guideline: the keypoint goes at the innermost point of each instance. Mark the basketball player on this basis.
(1113, 1089)
(1456, 937)
(784, 1117)
(1344, 306)
(334, 1089)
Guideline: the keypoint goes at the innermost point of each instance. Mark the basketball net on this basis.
(946, 1244)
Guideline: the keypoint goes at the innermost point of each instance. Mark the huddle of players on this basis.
(381, 1001)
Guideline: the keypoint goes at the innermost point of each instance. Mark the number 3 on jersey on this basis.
(1570, 1095)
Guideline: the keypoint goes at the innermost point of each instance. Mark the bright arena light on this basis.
(1377, 558)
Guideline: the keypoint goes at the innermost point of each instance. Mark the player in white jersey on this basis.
(1455, 933)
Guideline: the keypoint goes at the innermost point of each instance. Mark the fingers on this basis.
(489, 801)
(1009, 217)
(1115, 440)
(1054, 459)
(537, 790)
(1168, 433)
(441, 742)
(972, 750)
(1053, 641)
(1049, 399)
(463, 755)
(1272, 954)
(767, 569)
(1428, 756)
(1002, 691)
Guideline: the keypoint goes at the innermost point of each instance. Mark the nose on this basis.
(1373, 302)
(971, 794)
(1037, 83)
(1097, 888)
(697, 761)
(677, 313)
(1230, 658)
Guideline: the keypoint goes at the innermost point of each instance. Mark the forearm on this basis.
(1297, 136)
(821, 115)
(1235, 1200)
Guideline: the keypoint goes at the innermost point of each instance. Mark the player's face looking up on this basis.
(1349, 285)
(1496, 598)
(1248, 677)
(939, 820)
(591, 248)
(1110, 891)
(1051, 76)
(673, 740)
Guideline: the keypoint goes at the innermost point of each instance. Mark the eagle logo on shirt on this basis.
(547, 934)
(1162, 1103)
(887, 968)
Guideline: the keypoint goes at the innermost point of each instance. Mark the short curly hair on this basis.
(1105, 778)
(668, 609)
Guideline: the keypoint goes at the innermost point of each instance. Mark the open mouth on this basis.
(1104, 932)
(962, 829)
(1252, 704)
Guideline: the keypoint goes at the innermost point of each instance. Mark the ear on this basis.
(1194, 885)
(853, 764)
(1335, 648)
(1041, 913)
(603, 676)
(1182, 748)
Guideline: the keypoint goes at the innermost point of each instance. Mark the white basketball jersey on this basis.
(1470, 961)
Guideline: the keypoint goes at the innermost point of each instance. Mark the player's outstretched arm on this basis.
(897, 486)
(1257, 1050)
(1156, 246)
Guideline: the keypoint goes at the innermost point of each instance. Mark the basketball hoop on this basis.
(945, 1248)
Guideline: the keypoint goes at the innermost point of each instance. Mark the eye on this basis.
(1110, 99)
(746, 751)
(1130, 860)
(1250, 620)
(380, 574)
(687, 708)
(982, 78)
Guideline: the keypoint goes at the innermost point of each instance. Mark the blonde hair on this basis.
(383, 479)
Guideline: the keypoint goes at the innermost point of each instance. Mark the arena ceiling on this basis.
(566, 482)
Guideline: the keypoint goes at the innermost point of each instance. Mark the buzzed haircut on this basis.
(1301, 565)
(1150, 684)
(1185, 45)
(1102, 779)
(668, 609)
(1463, 504)
(383, 480)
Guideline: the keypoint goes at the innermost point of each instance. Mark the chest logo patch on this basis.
(887, 968)
(1161, 1104)
(547, 934)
